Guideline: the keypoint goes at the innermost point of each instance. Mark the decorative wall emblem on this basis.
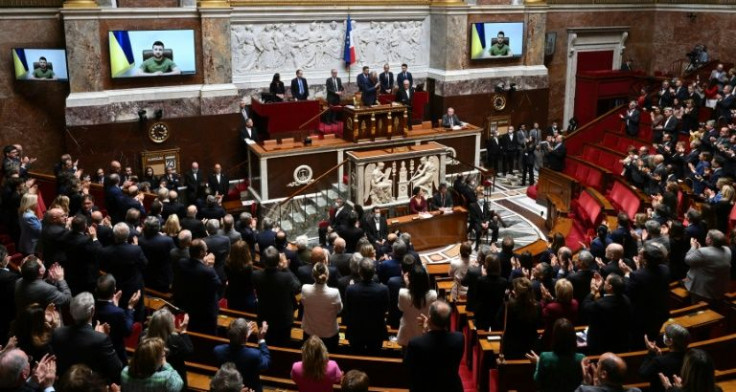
(303, 175)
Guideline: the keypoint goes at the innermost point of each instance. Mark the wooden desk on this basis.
(442, 269)
(696, 321)
(434, 232)
(370, 122)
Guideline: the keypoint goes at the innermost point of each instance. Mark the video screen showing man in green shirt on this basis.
(43, 71)
(501, 47)
(158, 64)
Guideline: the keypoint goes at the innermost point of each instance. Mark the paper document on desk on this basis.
(446, 210)
(425, 215)
(456, 128)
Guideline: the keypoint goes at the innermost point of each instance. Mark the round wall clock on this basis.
(499, 102)
(158, 132)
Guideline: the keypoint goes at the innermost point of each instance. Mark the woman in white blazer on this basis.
(413, 301)
(321, 304)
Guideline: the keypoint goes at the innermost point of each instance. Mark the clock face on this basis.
(499, 102)
(158, 132)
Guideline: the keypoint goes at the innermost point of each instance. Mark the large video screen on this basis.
(40, 64)
(489, 41)
(144, 53)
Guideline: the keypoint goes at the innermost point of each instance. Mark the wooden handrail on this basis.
(483, 171)
(316, 180)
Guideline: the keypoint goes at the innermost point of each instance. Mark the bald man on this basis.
(433, 359)
(191, 223)
(54, 231)
(218, 182)
(339, 258)
(607, 376)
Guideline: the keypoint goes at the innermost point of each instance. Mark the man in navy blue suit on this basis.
(266, 237)
(368, 85)
(126, 262)
(276, 287)
(392, 267)
(366, 303)
(108, 310)
(249, 361)
(404, 75)
(198, 272)
(433, 359)
(157, 249)
(299, 87)
(387, 80)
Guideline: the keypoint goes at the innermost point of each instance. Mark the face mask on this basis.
(377, 215)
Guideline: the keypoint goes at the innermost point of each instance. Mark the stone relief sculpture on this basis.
(319, 45)
(378, 189)
(427, 174)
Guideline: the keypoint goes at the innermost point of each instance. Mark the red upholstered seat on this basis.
(531, 192)
(132, 340)
(732, 218)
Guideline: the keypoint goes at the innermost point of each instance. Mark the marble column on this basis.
(536, 27)
(219, 95)
(448, 37)
(83, 48)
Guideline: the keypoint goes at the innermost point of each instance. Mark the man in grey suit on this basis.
(31, 288)
(334, 93)
(450, 119)
(710, 268)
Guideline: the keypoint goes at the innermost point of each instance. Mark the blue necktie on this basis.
(301, 88)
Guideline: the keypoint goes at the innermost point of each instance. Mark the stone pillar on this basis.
(219, 95)
(448, 38)
(536, 27)
(83, 48)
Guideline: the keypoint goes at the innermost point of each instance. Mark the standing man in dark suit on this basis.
(126, 262)
(218, 182)
(267, 236)
(157, 249)
(299, 87)
(201, 304)
(340, 215)
(510, 149)
(53, 234)
(556, 156)
(493, 151)
(581, 278)
(32, 288)
(404, 75)
(276, 287)
(631, 119)
(376, 228)
(191, 223)
(81, 249)
(367, 87)
(364, 315)
(219, 245)
(248, 133)
(334, 94)
(433, 359)
(724, 104)
(193, 179)
(405, 94)
(609, 315)
(108, 310)
(82, 343)
(387, 80)
(351, 232)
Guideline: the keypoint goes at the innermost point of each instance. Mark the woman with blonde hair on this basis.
(240, 292)
(148, 370)
(162, 325)
(61, 201)
(315, 372)
(30, 225)
(172, 227)
(562, 305)
(321, 304)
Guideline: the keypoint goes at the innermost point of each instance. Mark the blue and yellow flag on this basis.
(477, 40)
(121, 53)
(20, 63)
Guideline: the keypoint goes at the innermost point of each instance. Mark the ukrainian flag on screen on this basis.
(21, 65)
(121, 53)
(477, 40)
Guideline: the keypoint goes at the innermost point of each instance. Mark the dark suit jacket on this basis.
(220, 187)
(376, 234)
(438, 201)
(249, 361)
(276, 290)
(400, 78)
(81, 269)
(631, 119)
(446, 120)
(388, 269)
(649, 292)
(433, 360)
(332, 97)
(610, 323)
(193, 185)
(295, 89)
(157, 249)
(580, 284)
(40, 292)
(121, 324)
(265, 238)
(351, 235)
(670, 125)
(368, 88)
(365, 311)
(211, 212)
(52, 243)
(556, 158)
(201, 304)
(668, 364)
(341, 261)
(509, 145)
(489, 296)
(219, 245)
(402, 97)
(341, 219)
(394, 284)
(126, 263)
(387, 81)
(304, 274)
(82, 344)
(253, 135)
(7, 291)
(195, 226)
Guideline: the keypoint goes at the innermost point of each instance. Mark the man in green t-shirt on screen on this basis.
(43, 71)
(158, 64)
(501, 47)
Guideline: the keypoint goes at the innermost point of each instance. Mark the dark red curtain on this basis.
(595, 61)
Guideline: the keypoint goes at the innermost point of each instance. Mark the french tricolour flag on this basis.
(350, 56)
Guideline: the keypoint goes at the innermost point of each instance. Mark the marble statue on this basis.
(427, 174)
(378, 189)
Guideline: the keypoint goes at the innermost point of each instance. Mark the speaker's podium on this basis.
(378, 121)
